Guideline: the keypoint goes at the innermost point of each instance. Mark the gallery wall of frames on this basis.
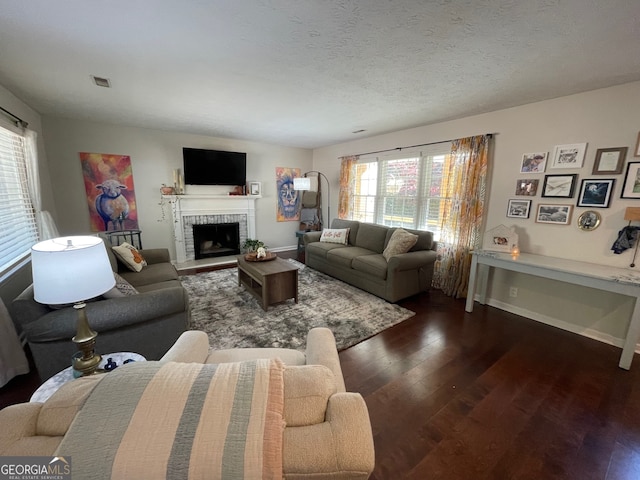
(547, 179)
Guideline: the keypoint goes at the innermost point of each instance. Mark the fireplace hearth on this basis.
(216, 240)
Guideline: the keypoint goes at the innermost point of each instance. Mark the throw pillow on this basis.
(335, 235)
(122, 288)
(401, 241)
(130, 256)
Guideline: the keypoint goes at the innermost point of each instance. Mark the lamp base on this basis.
(88, 366)
(85, 339)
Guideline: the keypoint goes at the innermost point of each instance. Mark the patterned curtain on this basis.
(346, 185)
(466, 174)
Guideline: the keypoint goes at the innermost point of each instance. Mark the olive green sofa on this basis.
(361, 262)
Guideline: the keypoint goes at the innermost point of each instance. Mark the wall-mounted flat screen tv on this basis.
(214, 167)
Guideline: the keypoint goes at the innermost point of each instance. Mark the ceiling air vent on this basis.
(101, 81)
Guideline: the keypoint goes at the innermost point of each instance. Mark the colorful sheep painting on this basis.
(108, 183)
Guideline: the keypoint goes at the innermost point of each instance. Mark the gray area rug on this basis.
(232, 317)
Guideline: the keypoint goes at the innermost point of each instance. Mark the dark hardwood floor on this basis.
(492, 395)
(487, 395)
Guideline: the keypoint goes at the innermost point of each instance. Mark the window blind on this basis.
(18, 229)
(404, 189)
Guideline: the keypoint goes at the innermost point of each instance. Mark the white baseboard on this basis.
(554, 322)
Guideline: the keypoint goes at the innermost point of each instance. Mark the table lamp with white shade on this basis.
(72, 270)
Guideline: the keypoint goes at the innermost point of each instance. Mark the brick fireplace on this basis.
(216, 239)
(202, 209)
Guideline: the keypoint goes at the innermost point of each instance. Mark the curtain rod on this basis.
(19, 122)
(490, 135)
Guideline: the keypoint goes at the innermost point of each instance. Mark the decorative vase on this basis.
(110, 365)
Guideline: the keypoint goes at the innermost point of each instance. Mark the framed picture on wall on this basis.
(609, 161)
(518, 208)
(255, 188)
(527, 187)
(637, 152)
(595, 193)
(631, 185)
(569, 156)
(556, 214)
(560, 186)
(533, 162)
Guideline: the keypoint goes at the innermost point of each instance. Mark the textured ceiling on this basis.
(308, 73)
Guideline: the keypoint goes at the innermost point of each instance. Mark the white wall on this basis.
(154, 155)
(602, 118)
(10, 288)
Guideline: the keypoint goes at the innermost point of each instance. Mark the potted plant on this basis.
(251, 245)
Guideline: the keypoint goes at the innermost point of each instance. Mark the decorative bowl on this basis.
(253, 257)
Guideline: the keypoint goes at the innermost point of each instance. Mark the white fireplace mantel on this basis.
(189, 210)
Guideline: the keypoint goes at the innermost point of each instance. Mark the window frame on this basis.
(427, 156)
(14, 192)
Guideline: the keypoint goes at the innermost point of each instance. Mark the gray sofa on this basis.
(148, 323)
(361, 263)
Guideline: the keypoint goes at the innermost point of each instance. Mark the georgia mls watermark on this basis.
(35, 468)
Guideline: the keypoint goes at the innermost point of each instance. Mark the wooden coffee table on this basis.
(271, 282)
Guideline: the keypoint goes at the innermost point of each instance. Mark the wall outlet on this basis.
(513, 292)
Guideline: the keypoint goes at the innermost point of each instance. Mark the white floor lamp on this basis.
(304, 183)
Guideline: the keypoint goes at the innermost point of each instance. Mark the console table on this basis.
(602, 277)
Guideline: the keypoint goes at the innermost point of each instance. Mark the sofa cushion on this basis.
(288, 356)
(335, 235)
(122, 288)
(372, 237)
(425, 239)
(152, 287)
(322, 248)
(155, 273)
(345, 255)
(400, 242)
(374, 265)
(113, 260)
(130, 256)
(352, 225)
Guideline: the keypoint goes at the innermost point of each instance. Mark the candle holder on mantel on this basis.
(177, 189)
(178, 182)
